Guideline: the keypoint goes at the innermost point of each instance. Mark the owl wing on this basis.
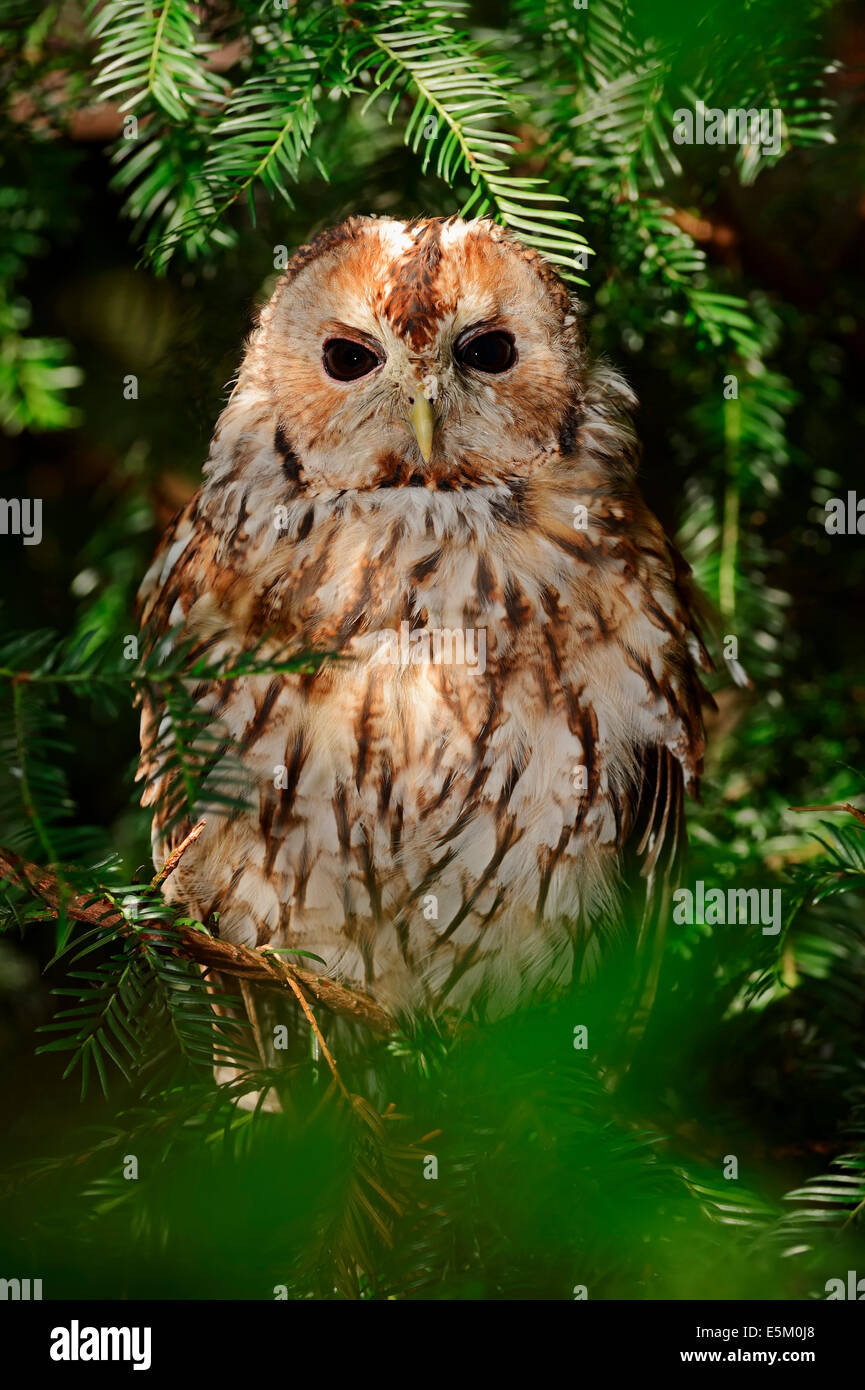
(653, 860)
(655, 844)
(169, 591)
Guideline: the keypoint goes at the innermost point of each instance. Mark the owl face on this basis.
(437, 353)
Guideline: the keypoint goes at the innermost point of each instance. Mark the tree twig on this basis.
(313, 1023)
(242, 962)
(176, 855)
(835, 806)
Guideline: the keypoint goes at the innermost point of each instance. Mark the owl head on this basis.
(434, 353)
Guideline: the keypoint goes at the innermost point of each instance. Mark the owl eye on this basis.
(488, 352)
(345, 360)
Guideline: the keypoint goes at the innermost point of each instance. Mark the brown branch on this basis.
(704, 228)
(176, 855)
(242, 962)
(835, 806)
(313, 1023)
(51, 106)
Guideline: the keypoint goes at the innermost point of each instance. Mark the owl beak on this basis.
(420, 419)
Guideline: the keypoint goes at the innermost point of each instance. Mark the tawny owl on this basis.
(420, 474)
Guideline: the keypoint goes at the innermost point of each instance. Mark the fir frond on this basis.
(150, 54)
(460, 102)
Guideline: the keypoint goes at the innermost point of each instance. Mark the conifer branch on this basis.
(242, 962)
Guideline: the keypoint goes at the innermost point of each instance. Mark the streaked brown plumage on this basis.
(439, 835)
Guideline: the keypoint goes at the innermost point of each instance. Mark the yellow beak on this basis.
(420, 419)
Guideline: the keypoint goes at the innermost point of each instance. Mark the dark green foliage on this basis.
(244, 128)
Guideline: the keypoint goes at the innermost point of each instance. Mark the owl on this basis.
(475, 789)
